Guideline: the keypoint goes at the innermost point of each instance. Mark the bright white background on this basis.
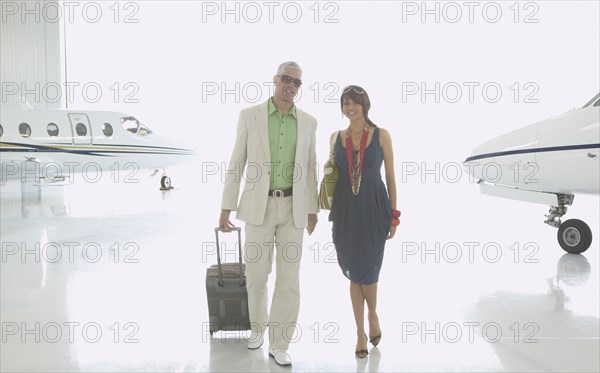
(177, 53)
(175, 49)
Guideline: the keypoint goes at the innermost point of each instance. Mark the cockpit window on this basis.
(134, 126)
(144, 130)
(130, 124)
(595, 101)
(1, 131)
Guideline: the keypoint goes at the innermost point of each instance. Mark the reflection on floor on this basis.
(111, 278)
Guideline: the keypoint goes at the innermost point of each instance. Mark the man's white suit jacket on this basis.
(251, 152)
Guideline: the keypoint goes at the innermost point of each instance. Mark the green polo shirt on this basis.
(283, 134)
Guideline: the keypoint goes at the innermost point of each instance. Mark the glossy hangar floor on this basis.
(109, 276)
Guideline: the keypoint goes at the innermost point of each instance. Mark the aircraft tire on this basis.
(574, 236)
(165, 182)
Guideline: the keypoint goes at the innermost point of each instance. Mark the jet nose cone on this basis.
(470, 167)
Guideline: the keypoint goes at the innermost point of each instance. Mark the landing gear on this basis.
(165, 183)
(556, 212)
(574, 236)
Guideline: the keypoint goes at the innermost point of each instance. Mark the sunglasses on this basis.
(286, 79)
(353, 88)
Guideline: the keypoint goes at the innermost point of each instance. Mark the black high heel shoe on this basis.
(375, 340)
(361, 354)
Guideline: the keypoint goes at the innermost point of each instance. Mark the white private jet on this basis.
(546, 162)
(54, 145)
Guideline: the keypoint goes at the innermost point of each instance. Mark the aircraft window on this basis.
(144, 130)
(1, 131)
(24, 130)
(107, 129)
(52, 129)
(130, 124)
(81, 129)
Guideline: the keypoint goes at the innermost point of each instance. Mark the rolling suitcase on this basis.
(226, 292)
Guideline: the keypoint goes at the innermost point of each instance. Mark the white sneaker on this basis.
(255, 341)
(281, 357)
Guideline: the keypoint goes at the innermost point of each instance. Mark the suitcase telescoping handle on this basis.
(220, 270)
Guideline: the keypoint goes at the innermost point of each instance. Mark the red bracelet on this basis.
(395, 218)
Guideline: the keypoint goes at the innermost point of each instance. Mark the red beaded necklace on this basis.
(355, 163)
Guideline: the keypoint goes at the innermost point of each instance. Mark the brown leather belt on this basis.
(278, 193)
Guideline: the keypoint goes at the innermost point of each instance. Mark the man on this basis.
(275, 143)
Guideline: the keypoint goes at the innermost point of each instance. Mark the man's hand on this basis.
(225, 224)
(312, 223)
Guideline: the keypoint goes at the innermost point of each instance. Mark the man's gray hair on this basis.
(288, 65)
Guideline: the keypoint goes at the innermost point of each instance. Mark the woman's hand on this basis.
(392, 232)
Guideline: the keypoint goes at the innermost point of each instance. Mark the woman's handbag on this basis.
(331, 175)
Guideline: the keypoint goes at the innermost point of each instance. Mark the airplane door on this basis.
(81, 129)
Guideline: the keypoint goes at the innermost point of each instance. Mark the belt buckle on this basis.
(278, 193)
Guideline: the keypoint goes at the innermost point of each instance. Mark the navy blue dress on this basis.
(361, 223)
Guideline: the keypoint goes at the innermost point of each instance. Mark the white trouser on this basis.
(277, 232)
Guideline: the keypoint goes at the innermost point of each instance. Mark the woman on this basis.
(363, 212)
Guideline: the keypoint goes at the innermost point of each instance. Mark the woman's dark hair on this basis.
(360, 96)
